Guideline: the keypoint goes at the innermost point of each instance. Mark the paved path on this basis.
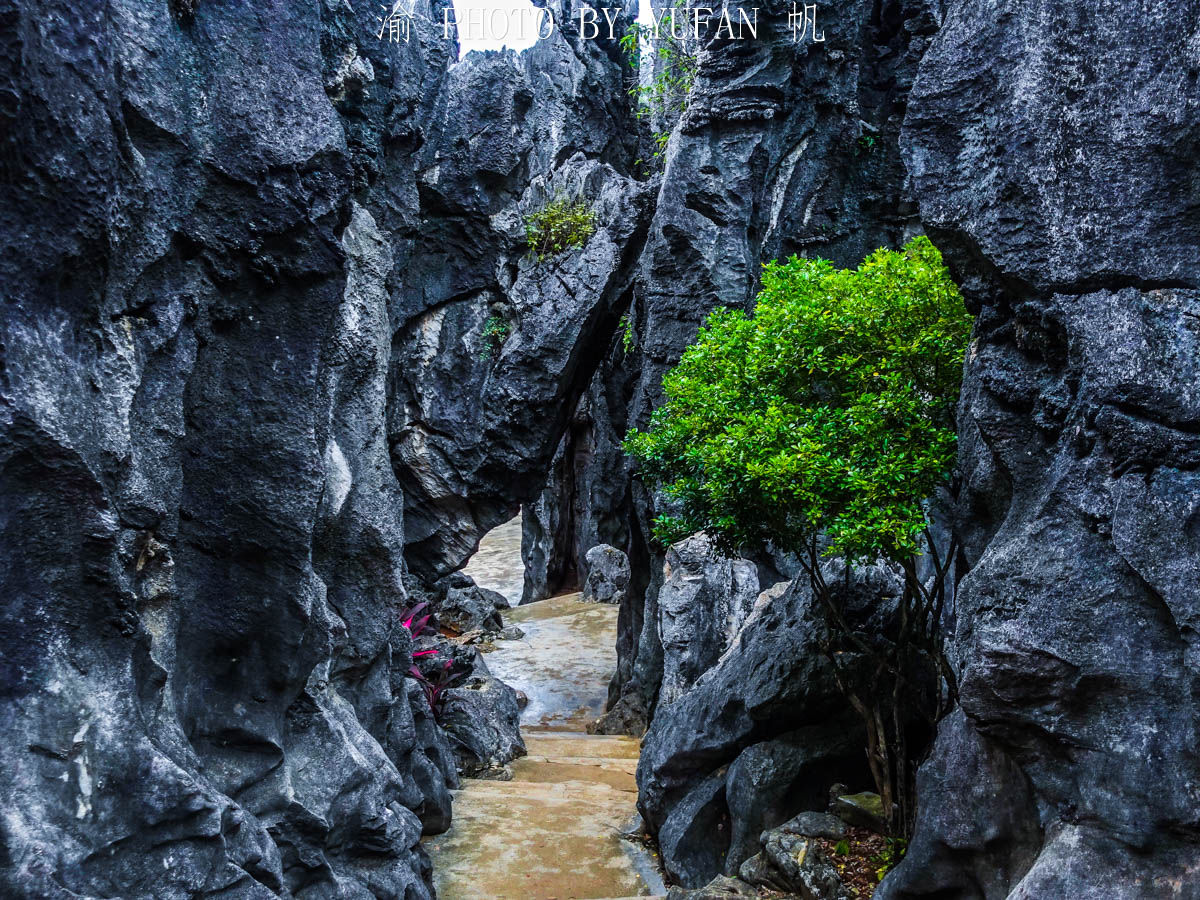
(497, 563)
(553, 832)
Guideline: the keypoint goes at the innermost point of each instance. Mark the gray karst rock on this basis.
(480, 714)
(758, 737)
(607, 578)
(703, 603)
(814, 824)
(717, 889)
(469, 608)
(795, 864)
(769, 781)
(786, 147)
(477, 419)
(203, 545)
(790, 861)
(547, 533)
(1076, 626)
(274, 354)
(216, 230)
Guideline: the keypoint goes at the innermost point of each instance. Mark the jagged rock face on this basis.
(786, 147)
(587, 495)
(759, 735)
(202, 543)
(607, 575)
(548, 532)
(475, 420)
(1077, 624)
(703, 603)
(247, 263)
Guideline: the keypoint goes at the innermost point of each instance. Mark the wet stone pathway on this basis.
(554, 831)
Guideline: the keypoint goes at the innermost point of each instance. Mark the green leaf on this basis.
(829, 410)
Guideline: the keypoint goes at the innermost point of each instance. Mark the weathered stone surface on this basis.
(690, 836)
(476, 421)
(956, 851)
(482, 717)
(202, 541)
(786, 147)
(1076, 626)
(703, 602)
(791, 861)
(770, 781)
(772, 699)
(470, 608)
(861, 810)
(547, 531)
(215, 248)
(814, 824)
(717, 889)
(607, 578)
(796, 865)
(248, 262)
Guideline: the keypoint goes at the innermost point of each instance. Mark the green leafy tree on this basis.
(821, 425)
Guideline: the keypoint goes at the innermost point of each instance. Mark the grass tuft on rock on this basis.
(559, 226)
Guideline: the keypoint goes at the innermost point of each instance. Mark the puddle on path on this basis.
(564, 662)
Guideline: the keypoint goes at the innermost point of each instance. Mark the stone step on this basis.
(537, 841)
(554, 831)
(569, 744)
(552, 608)
(615, 773)
(544, 790)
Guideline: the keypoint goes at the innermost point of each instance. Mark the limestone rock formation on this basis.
(786, 147)
(468, 607)
(204, 685)
(273, 356)
(493, 347)
(216, 225)
(607, 578)
(703, 603)
(1076, 637)
(758, 737)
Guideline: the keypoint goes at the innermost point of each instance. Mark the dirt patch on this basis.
(862, 857)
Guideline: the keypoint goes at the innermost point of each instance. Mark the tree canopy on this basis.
(830, 410)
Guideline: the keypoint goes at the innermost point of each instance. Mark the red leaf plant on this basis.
(437, 678)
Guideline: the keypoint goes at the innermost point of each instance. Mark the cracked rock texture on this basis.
(273, 356)
(786, 147)
(475, 421)
(1077, 623)
(229, 360)
(759, 731)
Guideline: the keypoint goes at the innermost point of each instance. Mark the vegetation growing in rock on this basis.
(495, 333)
(559, 225)
(821, 425)
(625, 326)
(666, 92)
(433, 674)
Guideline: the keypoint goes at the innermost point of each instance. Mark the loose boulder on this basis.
(481, 714)
(471, 608)
(607, 575)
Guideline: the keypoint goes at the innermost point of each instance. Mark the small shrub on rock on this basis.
(559, 226)
(495, 333)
